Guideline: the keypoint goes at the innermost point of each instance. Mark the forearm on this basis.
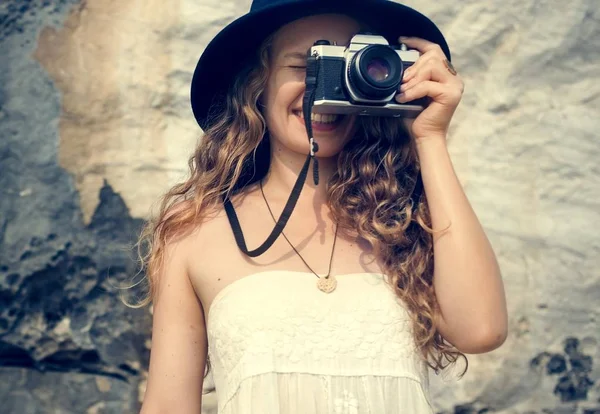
(467, 278)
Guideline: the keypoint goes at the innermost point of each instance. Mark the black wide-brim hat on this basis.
(235, 45)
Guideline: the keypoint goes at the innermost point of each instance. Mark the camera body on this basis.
(362, 78)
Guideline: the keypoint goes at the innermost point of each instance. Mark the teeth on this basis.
(321, 118)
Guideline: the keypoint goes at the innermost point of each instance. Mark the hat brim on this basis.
(232, 48)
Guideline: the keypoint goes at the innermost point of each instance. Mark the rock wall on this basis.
(95, 125)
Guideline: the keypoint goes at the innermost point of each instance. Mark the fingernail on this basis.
(400, 97)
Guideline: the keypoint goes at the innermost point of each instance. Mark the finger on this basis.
(435, 90)
(420, 44)
(434, 71)
(425, 59)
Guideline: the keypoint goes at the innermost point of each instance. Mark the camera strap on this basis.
(312, 69)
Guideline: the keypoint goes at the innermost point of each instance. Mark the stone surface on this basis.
(63, 329)
(29, 391)
(95, 125)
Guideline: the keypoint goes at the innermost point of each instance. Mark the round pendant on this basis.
(327, 284)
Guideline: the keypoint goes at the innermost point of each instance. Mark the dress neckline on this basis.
(219, 296)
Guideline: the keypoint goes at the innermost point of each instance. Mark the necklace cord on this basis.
(292, 246)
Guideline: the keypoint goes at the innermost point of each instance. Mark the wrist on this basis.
(431, 141)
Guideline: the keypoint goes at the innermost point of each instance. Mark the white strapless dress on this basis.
(278, 345)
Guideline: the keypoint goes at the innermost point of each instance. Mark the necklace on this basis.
(326, 283)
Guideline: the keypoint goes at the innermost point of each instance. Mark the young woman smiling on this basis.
(382, 271)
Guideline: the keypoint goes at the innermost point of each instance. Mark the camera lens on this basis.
(378, 70)
(375, 72)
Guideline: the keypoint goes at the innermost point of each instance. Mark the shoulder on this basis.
(210, 222)
(211, 238)
(214, 219)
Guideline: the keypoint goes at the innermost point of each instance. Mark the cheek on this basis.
(290, 94)
(281, 98)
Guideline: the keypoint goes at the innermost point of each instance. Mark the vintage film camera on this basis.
(362, 78)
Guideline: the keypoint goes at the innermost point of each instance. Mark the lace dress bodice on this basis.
(278, 345)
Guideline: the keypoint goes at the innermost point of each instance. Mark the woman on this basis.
(405, 275)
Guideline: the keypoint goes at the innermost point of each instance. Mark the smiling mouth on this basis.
(324, 119)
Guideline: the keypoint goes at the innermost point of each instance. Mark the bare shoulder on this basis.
(196, 266)
(214, 232)
(214, 259)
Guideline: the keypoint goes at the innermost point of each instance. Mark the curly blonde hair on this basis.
(376, 194)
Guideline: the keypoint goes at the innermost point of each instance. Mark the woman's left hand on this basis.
(431, 76)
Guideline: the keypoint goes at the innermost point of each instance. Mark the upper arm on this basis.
(179, 343)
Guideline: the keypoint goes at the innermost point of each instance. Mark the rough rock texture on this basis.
(66, 340)
(95, 125)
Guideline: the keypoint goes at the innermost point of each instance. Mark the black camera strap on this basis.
(312, 72)
(307, 104)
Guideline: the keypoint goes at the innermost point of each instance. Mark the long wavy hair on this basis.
(376, 194)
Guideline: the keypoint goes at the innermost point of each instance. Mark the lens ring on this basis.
(375, 72)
